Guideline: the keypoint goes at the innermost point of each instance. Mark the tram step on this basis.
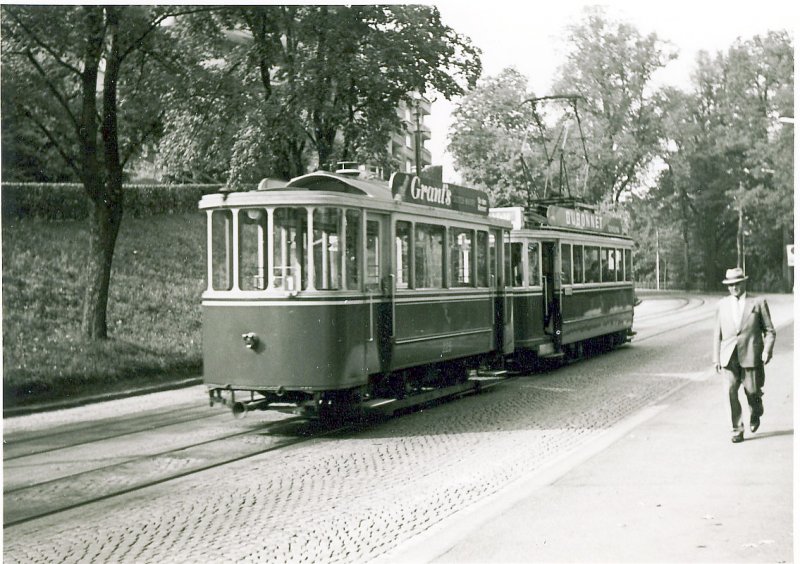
(490, 374)
(552, 355)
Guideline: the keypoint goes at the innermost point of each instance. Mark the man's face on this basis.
(736, 289)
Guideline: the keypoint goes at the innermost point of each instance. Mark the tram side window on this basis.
(289, 249)
(534, 276)
(566, 264)
(482, 248)
(618, 264)
(628, 265)
(577, 264)
(221, 250)
(373, 254)
(515, 256)
(461, 259)
(591, 257)
(327, 226)
(429, 256)
(352, 250)
(610, 265)
(252, 249)
(402, 241)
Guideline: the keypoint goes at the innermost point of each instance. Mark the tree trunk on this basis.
(104, 221)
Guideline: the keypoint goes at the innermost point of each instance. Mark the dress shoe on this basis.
(754, 424)
(737, 438)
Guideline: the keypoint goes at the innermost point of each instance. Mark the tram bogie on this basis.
(331, 291)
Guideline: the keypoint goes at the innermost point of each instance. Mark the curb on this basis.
(86, 400)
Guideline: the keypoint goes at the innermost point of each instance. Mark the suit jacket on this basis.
(749, 337)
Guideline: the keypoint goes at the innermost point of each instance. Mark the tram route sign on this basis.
(408, 188)
(585, 220)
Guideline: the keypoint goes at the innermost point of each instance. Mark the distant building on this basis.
(403, 145)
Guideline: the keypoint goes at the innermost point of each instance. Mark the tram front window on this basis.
(221, 250)
(289, 235)
(252, 250)
(328, 255)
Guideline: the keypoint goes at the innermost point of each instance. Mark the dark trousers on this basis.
(753, 381)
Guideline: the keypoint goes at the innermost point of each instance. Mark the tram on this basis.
(334, 289)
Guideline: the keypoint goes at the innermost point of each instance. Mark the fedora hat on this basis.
(734, 276)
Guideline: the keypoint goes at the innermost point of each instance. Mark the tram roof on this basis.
(330, 182)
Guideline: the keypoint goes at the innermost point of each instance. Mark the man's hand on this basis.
(766, 357)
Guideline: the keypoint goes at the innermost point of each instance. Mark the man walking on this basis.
(743, 341)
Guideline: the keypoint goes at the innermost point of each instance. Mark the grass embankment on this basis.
(154, 325)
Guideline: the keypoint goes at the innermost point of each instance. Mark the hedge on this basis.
(60, 201)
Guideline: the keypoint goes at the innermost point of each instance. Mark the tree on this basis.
(86, 78)
(492, 132)
(611, 66)
(322, 83)
(729, 165)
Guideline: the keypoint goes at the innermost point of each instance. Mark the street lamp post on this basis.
(417, 148)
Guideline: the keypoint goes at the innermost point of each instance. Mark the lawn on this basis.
(154, 324)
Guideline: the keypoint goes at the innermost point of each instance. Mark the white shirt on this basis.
(737, 308)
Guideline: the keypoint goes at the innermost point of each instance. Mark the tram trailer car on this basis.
(571, 279)
(404, 286)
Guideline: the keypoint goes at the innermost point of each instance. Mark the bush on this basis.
(68, 201)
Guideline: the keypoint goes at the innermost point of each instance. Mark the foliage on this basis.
(610, 65)
(320, 83)
(491, 129)
(89, 78)
(725, 151)
(154, 319)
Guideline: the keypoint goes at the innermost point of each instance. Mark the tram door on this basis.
(379, 284)
(551, 282)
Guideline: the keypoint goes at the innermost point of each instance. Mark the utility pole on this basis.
(658, 263)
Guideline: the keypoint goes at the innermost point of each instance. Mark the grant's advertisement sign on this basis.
(408, 188)
(585, 220)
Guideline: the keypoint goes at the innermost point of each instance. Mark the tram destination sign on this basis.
(585, 220)
(408, 188)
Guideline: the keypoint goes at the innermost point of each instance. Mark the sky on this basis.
(530, 36)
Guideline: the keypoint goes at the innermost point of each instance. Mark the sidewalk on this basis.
(666, 486)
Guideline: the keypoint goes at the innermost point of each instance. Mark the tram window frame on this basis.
(566, 266)
(462, 257)
(403, 254)
(592, 267)
(534, 271)
(428, 275)
(482, 259)
(252, 249)
(577, 264)
(220, 255)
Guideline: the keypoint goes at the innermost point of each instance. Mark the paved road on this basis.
(665, 485)
(387, 489)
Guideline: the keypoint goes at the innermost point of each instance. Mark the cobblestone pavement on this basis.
(352, 498)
